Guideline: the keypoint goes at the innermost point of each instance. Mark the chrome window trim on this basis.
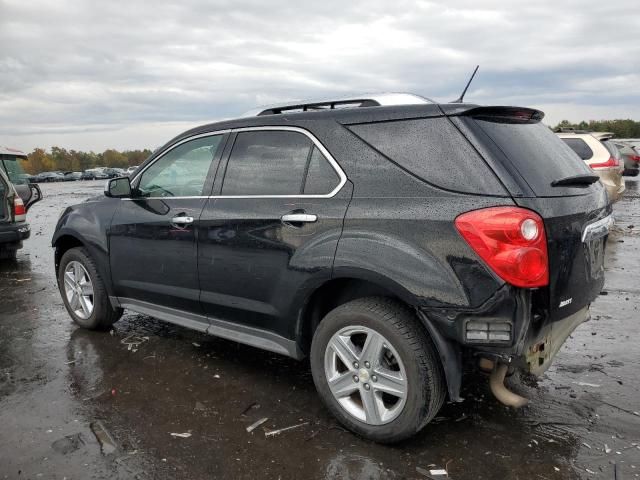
(334, 164)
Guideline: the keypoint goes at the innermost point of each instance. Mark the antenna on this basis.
(459, 100)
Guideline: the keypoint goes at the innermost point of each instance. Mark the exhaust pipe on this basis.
(505, 396)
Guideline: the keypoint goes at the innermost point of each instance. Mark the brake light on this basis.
(612, 162)
(635, 158)
(511, 240)
(18, 207)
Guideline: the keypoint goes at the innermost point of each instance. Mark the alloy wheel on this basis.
(78, 289)
(366, 375)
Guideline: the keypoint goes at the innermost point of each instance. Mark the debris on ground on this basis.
(586, 384)
(249, 407)
(200, 407)
(133, 341)
(256, 424)
(280, 430)
(106, 441)
(181, 435)
(195, 344)
(68, 443)
(607, 450)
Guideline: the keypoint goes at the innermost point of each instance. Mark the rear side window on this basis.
(579, 146)
(267, 163)
(537, 154)
(433, 150)
(321, 177)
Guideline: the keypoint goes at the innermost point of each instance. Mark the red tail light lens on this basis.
(18, 207)
(635, 158)
(511, 240)
(612, 162)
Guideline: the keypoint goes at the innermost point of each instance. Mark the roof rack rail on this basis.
(358, 101)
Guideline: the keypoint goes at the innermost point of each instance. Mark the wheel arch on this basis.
(340, 290)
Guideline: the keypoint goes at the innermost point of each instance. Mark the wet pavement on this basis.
(77, 404)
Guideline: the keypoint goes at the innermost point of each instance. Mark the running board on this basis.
(254, 337)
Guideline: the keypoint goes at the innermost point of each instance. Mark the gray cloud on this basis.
(129, 74)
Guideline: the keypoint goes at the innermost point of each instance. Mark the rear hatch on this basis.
(543, 174)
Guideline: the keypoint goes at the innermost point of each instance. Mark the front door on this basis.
(273, 230)
(153, 243)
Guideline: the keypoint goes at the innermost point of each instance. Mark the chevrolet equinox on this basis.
(393, 240)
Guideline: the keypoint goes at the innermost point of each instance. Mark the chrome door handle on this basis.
(182, 220)
(299, 218)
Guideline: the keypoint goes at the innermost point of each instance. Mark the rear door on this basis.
(271, 232)
(152, 239)
(576, 217)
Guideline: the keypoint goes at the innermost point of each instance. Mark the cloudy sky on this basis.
(131, 73)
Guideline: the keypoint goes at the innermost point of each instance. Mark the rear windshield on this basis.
(433, 150)
(579, 146)
(538, 155)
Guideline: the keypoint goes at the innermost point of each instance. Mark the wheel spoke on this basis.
(344, 349)
(69, 280)
(87, 289)
(74, 302)
(343, 385)
(84, 305)
(77, 272)
(390, 382)
(370, 406)
(372, 349)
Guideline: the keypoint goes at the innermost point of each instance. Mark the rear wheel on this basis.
(83, 291)
(376, 369)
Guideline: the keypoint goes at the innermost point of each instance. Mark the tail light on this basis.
(635, 158)
(612, 162)
(18, 207)
(511, 240)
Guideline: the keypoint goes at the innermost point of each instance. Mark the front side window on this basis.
(182, 172)
(267, 163)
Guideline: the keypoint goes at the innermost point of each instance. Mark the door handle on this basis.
(181, 220)
(299, 218)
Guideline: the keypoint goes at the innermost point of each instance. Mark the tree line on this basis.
(621, 128)
(60, 159)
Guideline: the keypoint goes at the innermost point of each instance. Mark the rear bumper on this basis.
(542, 347)
(14, 232)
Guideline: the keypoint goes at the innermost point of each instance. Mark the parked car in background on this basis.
(114, 172)
(46, 177)
(601, 156)
(393, 240)
(94, 174)
(11, 163)
(630, 156)
(72, 176)
(131, 170)
(13, 215)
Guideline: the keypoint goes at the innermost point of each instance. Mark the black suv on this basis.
(392, 239)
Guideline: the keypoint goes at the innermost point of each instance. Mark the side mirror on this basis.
(118, 188)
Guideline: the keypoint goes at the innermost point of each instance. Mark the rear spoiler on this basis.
(505, 114)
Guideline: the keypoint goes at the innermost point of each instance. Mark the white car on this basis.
(602, 156)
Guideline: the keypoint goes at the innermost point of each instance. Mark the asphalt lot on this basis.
(60, 386)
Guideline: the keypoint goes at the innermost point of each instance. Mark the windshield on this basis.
(13, 168)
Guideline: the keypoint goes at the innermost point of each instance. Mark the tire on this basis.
(403, 336)
(102, 315)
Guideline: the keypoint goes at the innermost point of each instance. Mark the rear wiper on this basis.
(585, 179)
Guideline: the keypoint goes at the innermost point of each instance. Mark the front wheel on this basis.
(376, 369)
(83, 291)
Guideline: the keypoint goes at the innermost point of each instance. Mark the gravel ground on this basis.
(63, 388)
